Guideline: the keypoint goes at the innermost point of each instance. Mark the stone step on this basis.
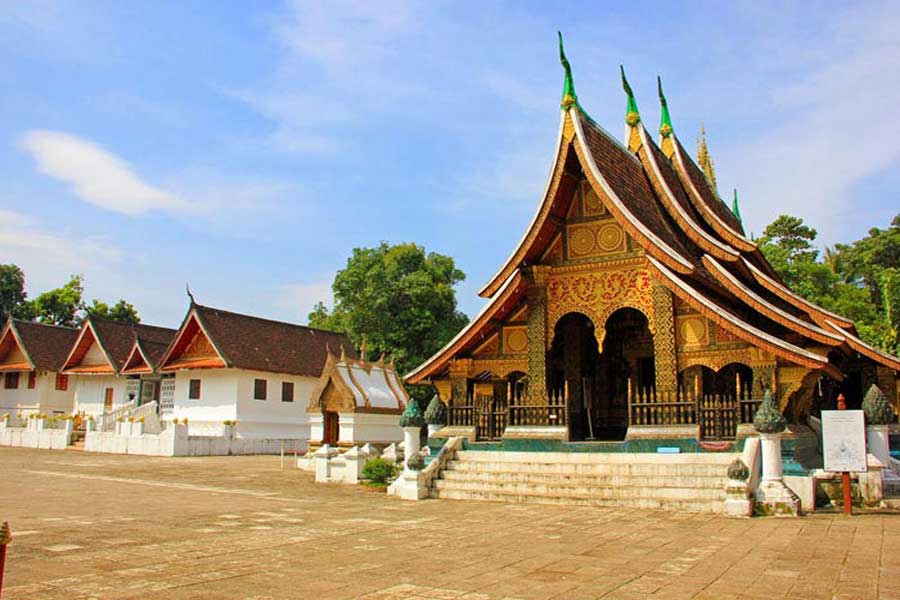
(588, 479)
(578, 490)
(465, 463)
(689, 505)
(694, 458)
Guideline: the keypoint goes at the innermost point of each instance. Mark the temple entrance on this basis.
(627, 368)
(600, 384)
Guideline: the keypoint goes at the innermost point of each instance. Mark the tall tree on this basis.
(12, 291)
(121, 311)
(402, 299)
(60, 306)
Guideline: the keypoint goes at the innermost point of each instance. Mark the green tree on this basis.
(856, 280)
(402, 299)
(12, 291)
(121, 311)
(60, 306)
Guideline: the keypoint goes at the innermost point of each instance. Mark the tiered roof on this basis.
(27, 346)
(691, 239)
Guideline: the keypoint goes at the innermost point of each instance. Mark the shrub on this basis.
(379, 470)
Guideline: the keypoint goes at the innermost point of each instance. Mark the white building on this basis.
(31, 357)
(356, 402)
(98, 361)
(257, 372)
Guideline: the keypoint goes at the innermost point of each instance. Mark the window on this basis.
(259, 389)
(11, 381)
(194, 389)
(62, 382)
(287, 391)
(32, 379)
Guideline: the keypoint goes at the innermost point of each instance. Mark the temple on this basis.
(636, 306)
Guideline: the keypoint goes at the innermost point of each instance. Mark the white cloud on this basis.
(833, 127)
(298, 299)
(96, 175)
(29, 242)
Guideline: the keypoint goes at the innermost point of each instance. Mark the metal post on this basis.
(5, 539)
(845, 476)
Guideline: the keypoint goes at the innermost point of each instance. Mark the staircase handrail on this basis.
(444, 455)
(107, 421)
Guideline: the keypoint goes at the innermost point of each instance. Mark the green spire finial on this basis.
(665, 122)
(632, 117)
(568, 96)
(734, 207)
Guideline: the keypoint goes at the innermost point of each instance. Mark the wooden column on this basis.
(664, 357)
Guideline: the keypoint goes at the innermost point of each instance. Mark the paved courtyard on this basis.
(102, 526)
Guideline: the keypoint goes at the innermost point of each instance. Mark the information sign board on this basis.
(844, 440)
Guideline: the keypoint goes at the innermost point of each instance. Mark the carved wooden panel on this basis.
(592, 239)
(515, 340)
(598, 294)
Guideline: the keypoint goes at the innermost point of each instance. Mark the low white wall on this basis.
(175, 441)
(35, 435)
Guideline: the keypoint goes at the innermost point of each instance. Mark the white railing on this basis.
(149, 413)
(107, 421)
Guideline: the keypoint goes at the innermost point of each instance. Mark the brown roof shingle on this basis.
(46, 345)
(118, 338)
(255, 343)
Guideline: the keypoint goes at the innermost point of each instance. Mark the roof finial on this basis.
(343, 354)
(632, 116)
(187, 288)
(705, 160)
(665, 122)
(734, 207)
(364, 349)
(569, 98)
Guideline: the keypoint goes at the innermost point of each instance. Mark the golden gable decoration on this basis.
(595, 239)
(515, 340)
(597, 295)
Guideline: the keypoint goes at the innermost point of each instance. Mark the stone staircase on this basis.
(688, 482)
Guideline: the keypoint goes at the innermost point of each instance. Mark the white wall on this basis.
(217, 402)
(227, 394)
(90, 392)
(44, 398)
(376, 429)
(272, 418)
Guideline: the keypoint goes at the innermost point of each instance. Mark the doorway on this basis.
(332, 428)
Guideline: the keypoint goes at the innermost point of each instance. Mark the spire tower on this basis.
(705, 161)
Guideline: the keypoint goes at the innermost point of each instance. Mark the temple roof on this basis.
(42, 347)
(253, 343)
(115, 340)
(691, 238)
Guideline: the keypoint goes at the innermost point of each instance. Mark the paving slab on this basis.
(105, 527)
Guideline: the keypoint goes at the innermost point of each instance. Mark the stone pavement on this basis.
(104, 526)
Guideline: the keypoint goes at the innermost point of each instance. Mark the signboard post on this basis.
(844, 443)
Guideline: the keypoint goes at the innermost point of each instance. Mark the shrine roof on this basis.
(363, 385)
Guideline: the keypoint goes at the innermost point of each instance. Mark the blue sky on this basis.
(247, 147)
